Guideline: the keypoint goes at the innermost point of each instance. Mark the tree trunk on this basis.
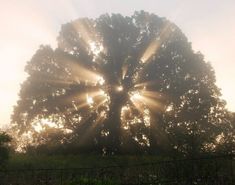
(153, 133)
(113, 124)
(157, 136)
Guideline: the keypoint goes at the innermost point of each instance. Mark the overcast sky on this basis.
(25, 24)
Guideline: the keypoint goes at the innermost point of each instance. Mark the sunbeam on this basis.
(124, 70)
(86, 32)
(143, 85)
(99, 120)
(151, 103)
(156, 43)
(152, 94)
(82, 74)
(86, 98)
(146, 98)
(42, 124)
(96, 48)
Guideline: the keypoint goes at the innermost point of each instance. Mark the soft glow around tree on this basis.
(115, 82)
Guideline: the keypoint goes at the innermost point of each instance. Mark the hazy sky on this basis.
(25, 24)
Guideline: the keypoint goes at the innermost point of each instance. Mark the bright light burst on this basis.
(96, 48)
(100, 80)
(92, 86)
(135, 96)
(141, 99)
(89, 100)
(120, 88)
(43, 124)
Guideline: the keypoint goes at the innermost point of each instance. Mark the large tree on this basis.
(120, 83)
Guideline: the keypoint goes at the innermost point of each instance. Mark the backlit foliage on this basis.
(119, 84)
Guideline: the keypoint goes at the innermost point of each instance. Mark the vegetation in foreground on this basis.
(4, 148)
(40, 161)
(96, 170)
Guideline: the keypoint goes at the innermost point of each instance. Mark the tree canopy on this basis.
(120, 84)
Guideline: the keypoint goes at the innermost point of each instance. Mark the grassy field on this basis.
(40, 161)
(63, 170)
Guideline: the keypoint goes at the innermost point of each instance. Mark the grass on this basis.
(89, 181)
(110, 176)
(40, 161)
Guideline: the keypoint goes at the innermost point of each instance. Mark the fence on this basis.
(217, 170)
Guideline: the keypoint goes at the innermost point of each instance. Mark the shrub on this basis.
(4, 147)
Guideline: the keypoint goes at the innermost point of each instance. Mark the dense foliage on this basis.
(4, 148)
(120, 84)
